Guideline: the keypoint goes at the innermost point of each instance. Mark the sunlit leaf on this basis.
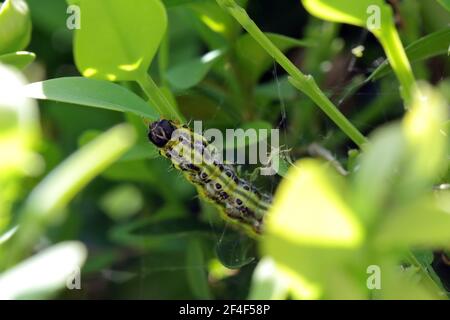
(377, 17)
(309, 209)
(18, 59)
(397, 284)
(44, 273)
(7, 235)
(424, 222)
(373, 182)
(118, 41)
(426, 135)
(45, 205)
(19, 134)
(15, 26)
(91, 93)
(436, 43)
(54, 192)
(219, 28)
(190, 73)
(267, 282)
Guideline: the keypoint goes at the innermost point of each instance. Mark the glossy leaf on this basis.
(91, 93)
(267, 282)
(377, 17)
(434, 44)
(190, 73)
(372, 185)
(46, 203)
(427, 137)
(19, 59)
(117, 41)
(428, 222)
(15, 26)
(41, 275)
(19, 135)
(80, 168)
(309, 210)
(219, 28)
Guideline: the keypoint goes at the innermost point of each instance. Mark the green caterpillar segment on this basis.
(191, 153)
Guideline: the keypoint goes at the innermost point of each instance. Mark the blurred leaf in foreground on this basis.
(15, 26)
(41, 275)
(19, 132)
(47, 202)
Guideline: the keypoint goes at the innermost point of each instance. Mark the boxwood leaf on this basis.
(19, 59)
(118, 41)
(15, 26)
(91, 93)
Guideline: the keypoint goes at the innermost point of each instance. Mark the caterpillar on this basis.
(190, 152)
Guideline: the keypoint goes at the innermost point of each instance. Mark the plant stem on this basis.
(158, 99)
(426, 277)
(304, 83)
(399, 61)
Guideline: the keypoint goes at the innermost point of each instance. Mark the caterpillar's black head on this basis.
(160, 132)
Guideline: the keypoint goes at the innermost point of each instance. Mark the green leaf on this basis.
(46, 203)
(311, 225)
(79, 169)
(217, 28)
(19, 135)
(445, 4)
(346, 11)
(399, 284)
(308, 208)
(140, 150)
(18, 59)
(425, 131)
(422, 223)
(254, 60)
(15, 26)
(44, 273)
(377, 17)
(4, 237)
(91, 93)
(267, 282)
(372, 185)
(427, 47)
(190, 73)
(117, 41)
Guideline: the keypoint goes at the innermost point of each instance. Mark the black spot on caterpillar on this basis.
(218, 182)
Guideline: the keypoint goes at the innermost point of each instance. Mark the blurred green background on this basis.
(142, 231)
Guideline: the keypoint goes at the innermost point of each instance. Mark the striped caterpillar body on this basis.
(218, 182)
